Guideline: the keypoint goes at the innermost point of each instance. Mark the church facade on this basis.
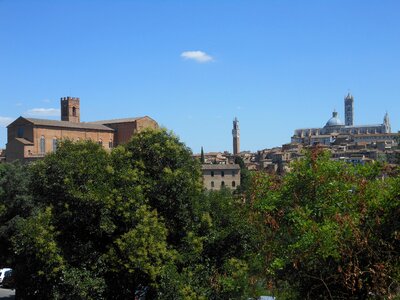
(30, 139)
(335, 128)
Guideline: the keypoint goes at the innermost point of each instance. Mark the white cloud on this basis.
(198, 56)
(4, 121)
(43, 112)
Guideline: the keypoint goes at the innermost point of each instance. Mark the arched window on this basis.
(222, 183)
(42, 145)
(222, 173)
(212, 173)
(55, 143)
(233, 184)
(74, 111)
(100, 142)
(212, 184)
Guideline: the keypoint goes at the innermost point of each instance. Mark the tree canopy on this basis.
(86, 223)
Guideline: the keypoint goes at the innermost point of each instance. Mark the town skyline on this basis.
(195, 67)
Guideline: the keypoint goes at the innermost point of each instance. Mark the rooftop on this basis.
(220, 167)
(114, 121)
(65, 124)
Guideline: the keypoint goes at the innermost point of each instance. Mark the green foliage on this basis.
(15, 202)
(245, 177)
(170, 178)
(84, 223)
(325, 222)
(202, 158)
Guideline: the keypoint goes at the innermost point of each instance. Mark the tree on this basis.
(133, 221)
(202, 159)
(245, 176)
(15, 203)
(331, 230)
(170, 177)
(92, 235)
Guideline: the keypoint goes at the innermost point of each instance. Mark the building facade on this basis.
(30, 139)
(335, 128)
(216, 177)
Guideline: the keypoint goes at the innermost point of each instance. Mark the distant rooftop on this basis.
(220, 167)
(66, 124)
(114, 121)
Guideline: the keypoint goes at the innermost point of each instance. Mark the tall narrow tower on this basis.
(348, 110)
(70, 109)
(236, 137)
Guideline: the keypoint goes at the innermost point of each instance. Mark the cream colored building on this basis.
(218, 176)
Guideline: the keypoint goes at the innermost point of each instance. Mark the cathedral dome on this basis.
(334, 121)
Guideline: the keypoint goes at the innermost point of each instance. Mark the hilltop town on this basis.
(30, 139)
(356, 144)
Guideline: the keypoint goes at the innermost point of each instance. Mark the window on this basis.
(110, 144)
(233, 173)
(42, 145)
(212, 184)
(212, 173)
(222, 183)
(74, 111)
(55, 143)
(233, 184)
(100, 142)
(20, 132)
(222, 173)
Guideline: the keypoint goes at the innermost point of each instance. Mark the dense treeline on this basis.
(84, 223)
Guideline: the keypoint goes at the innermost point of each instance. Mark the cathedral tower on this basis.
(386, 122)
(348, 110)
(236, 137)
(70, 109)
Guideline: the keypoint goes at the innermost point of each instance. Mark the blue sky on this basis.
(195, 65)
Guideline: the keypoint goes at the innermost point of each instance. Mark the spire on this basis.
(349, 96)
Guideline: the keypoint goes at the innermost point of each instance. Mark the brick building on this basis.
(29, 139)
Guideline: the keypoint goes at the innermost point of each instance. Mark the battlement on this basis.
(69, 98)
(70, 109)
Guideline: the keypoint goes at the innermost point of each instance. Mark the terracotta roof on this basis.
(24, 141)
(220, 167)
(65, 124)
(113, 121)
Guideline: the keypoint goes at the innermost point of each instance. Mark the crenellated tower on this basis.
(236, 136)
(70, 109)
(349, 110)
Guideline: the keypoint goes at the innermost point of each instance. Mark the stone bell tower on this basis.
(349, 110)
(236, 137)
(70, 109)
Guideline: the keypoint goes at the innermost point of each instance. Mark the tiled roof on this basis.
(114, 121)
(220, 167)
(65, 124)
(24, 141)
